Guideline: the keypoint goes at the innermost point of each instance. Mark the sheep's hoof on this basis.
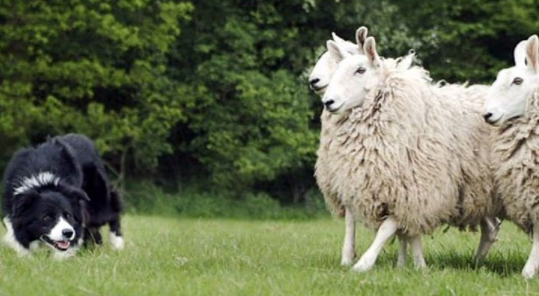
(347, 261)
(364, 264)
(529, 272)
(420, 264)
(348, 257)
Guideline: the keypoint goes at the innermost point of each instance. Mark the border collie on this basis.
(58, 194)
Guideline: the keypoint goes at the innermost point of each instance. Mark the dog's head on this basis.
(53, 215)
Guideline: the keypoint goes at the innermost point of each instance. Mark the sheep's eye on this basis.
(47, 218)
(517, 81)
(361, 70)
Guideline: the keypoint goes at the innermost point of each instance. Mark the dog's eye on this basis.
(68, 215)
(361, 70)
(47, 218)
(517, 81)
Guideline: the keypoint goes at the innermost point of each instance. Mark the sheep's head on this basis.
(326, 64)
(508, 96)
(354, 79)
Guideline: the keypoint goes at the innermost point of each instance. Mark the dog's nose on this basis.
(487, 115)
(314, 81)
(328, 103)
(68, 233)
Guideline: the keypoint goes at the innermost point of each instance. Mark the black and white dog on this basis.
(58, 194)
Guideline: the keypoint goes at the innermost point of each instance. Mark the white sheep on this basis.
(402, 155)
(513, 106)
(326, 65)
(319, 80)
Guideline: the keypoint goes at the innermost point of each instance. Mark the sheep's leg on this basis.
(532, 265)
(403, 244)
(417, 252)
(385, 232)
(348, 249)
(489, 235)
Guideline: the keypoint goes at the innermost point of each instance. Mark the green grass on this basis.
(166, 256)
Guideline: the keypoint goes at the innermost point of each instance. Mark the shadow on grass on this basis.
(505, 265)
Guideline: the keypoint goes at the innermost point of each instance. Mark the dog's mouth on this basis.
(61, 245)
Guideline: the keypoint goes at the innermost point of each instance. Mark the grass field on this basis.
(165, 256)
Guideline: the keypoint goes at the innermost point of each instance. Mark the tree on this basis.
(95, 67)
(469, 40)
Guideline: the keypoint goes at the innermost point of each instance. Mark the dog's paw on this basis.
(117, 242)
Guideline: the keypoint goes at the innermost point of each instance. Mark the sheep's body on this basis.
(412, 151)
(513, 106)
(516, 167)
(323, 174)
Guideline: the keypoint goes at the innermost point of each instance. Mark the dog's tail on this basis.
(116, 200)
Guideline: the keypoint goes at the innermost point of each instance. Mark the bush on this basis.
(147, 198)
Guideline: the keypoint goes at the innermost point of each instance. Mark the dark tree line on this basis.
(214, 92)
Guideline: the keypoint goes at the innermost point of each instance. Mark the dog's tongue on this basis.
(63, 244)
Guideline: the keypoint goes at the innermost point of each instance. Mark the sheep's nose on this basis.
(68, 233)
(328, 103)
(486, 116)
(314, 81)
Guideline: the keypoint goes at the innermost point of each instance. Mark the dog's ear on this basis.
(78, 194)
(73, 193)
(24, 200)
(78, 199)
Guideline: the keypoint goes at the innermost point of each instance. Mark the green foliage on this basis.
(95, 67)
(250, 116)
(467, 40)
(216, 90)
(147, 198)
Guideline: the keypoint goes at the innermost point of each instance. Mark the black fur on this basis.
(105, 205)
(84, 196)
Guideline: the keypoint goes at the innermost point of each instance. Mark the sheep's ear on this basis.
(336, 52)
(532, 53)
(520, 54)
(370, 51)
(361, 37)
(336, 38)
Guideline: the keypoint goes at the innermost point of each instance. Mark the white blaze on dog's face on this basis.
(326, 64)
(355, 77)
(61, 234)
(508, 96)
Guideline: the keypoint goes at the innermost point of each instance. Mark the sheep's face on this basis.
(325, 67)
(508, 96)
(321, 74)
(355, 77)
